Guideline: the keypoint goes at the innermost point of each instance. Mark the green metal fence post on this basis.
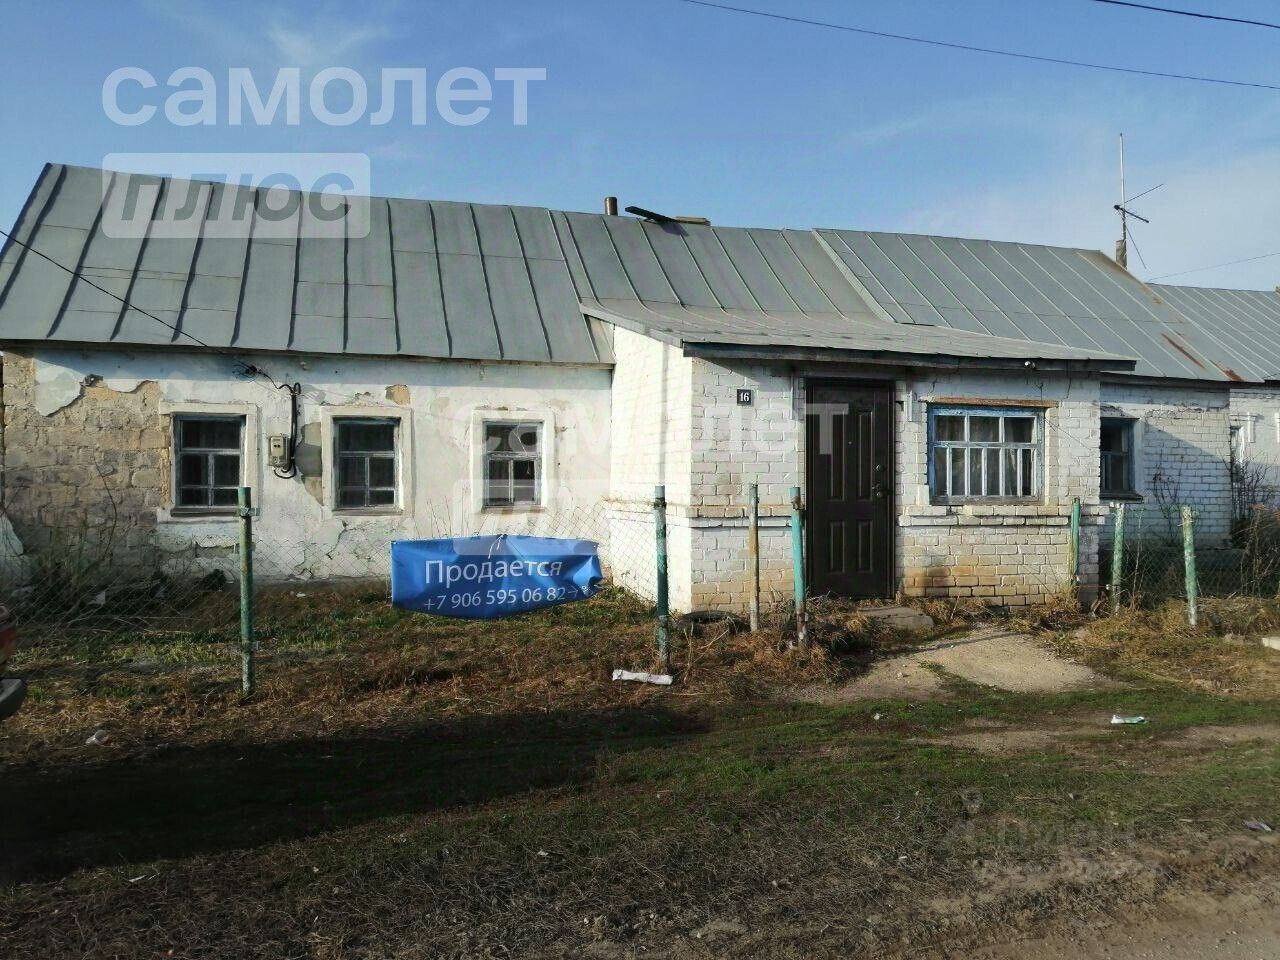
(245, 499)
(797, 565)
(1117, 558)
(1189, 558)
(1073, 569)
(753, 554)
(664, 614)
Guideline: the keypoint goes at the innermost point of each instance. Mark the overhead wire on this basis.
(973, 48)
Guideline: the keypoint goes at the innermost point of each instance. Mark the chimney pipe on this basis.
(611, 206)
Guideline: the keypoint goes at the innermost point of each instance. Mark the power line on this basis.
(1190, 13)
(1229, 263)
(951, 45)
(249, 368)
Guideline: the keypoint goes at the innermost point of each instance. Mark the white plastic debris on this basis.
(98, 738)
(1258, 825)
(661, 679)
(1116, 718)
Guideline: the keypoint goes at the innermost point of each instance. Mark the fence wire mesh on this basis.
(177, 596)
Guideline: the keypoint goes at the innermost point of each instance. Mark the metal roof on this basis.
(1244, 325)
(431, 279)
(720, 332)
(1062, 295)
(487, 282)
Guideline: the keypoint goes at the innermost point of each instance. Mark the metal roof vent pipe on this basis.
(611, 206)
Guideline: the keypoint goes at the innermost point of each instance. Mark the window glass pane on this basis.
(1027, 477)
(525, 438)
(497, 437)
(191, 468)
(226, 470)
(350, 497)
(1009, 483)
(984, 429)
(382, 472)
(224, 497)
(350, 471)
(366, 437)
(975, 470)
(524, 492)
(949, 428)
(523, 469)
(381, 498)
(940, 471)
(1112, 436)
(993, 473)
(1018, 429)
(193, 497)
(218, 434)
(957, 473)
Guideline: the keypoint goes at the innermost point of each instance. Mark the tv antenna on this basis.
(1122, 208)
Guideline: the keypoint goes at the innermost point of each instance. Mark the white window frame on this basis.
(250, 459)
(404, 458)
(544, 417)
(970, 410)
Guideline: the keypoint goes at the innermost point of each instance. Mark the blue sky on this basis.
(747, 121)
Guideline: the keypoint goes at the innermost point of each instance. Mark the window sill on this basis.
(990, 502)
(1121, 497)
(513, 508)
(367, 512)
(195, 515)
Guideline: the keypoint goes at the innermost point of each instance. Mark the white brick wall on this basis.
(708, 450)
(1182, 441)
(1258, 410)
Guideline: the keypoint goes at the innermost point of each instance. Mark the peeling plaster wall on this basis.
(83, 428)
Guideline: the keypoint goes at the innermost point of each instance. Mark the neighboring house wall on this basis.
(1182, 444)
(96, 458)
(1256, 411)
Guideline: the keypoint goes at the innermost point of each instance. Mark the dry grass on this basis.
(1222, 656)
(341, 659)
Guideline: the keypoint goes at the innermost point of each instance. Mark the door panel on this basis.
(849, 521)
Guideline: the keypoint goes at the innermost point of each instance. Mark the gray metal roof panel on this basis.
(1243, 326)
(436, 279)
(1046, 294)
(689, 327)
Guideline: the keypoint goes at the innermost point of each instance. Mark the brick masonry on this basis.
(1182, 440)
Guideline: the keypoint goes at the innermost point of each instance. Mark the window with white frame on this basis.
(1116, 456)
(364, 461)
(512, 463)
(208, 460)
(985, 454)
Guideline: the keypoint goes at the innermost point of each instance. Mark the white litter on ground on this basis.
(661, 679)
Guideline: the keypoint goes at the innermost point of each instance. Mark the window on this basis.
(983, 453)
(365, 463)
(207, 461)
(512, 463)
(1116, 451)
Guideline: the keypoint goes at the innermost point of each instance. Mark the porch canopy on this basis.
(725, 334)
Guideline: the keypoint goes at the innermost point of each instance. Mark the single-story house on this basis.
(466, 368)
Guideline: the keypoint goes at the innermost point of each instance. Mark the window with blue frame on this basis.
(985, 454)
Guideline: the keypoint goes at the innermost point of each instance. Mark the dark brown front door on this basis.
(850, 489)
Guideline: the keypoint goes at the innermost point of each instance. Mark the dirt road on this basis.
(1233, 931)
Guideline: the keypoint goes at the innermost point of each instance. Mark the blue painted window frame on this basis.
(1036, 414)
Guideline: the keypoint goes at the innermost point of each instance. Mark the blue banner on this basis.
(482, 578)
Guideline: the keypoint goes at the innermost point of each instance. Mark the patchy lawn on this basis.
(414, 787)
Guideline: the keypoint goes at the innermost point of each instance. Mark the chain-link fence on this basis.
(111, 594)
(1144, 564)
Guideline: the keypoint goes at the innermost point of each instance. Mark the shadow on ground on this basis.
(185, 801)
